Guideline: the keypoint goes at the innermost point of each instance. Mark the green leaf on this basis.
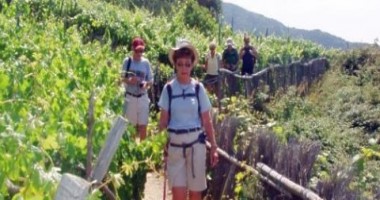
(4, 82)
(50, 143)
(81, 143)
(23, 112)
(117, 180)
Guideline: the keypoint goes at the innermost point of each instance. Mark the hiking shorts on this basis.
(211, 80)
(137, 109)
(187, 170)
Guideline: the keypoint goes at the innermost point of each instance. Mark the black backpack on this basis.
(171, 96)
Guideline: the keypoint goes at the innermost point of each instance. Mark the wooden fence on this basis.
(275, 77)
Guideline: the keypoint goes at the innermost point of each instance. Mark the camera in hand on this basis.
(141, 83)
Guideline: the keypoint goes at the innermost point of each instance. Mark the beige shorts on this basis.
(188, 171)
(137, 109)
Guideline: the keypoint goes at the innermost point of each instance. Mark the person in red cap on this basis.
(137, 78)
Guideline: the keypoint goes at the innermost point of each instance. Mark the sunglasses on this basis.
(139, 50)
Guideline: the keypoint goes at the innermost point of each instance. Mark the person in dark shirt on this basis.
(230, 56)
(248, 55)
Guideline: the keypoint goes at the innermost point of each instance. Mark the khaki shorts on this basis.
(137, 109)
(211, 80)
(188, 171)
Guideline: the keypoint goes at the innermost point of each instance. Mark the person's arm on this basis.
(224, 61)
(206, 63)
(147, 84)
(241, 53)
(220, 61)
(207, 123)
(254, 52)
(163, 103)
(164, 116)
(209, 128)
(148, 78)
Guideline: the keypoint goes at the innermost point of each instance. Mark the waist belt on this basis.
(135, 95)
(183, 131)
(201, 139)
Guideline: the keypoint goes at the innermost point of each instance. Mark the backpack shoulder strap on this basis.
(129, 61)
(170, 95)
(197, 87)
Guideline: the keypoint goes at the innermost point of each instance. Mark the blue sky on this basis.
(352, 20)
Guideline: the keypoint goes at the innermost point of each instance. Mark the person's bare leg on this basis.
(209, 88)
(195, 195)
(212, 89)
(179, 193)
(141, 129)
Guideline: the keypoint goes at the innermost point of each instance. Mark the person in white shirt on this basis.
(212, 66)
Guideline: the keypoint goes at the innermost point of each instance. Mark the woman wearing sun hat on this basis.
(185, 113)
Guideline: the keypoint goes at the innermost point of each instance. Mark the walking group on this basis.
(185, 108)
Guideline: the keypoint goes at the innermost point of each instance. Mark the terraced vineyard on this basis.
(55, 54)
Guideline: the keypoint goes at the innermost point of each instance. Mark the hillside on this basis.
(243, 20)
(342, 113)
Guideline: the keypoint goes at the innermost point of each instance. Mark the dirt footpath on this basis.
(154, 187)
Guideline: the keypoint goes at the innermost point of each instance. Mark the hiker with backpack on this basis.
(230, 56)
(230, 61)
(248, 55)
(185, 114)
(137, 78)
(212, 65)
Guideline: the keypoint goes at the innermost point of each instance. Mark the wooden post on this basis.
(72, 187)
(289, 185)
(77, 188)
(109, 149)
(90, 132)
(229, 181)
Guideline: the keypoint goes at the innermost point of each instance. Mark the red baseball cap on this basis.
(138, 43)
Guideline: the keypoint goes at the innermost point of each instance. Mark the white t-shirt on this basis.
(143, 72)
(213, 63)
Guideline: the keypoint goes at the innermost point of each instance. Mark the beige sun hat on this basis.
(212, 44)
(182, 43)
